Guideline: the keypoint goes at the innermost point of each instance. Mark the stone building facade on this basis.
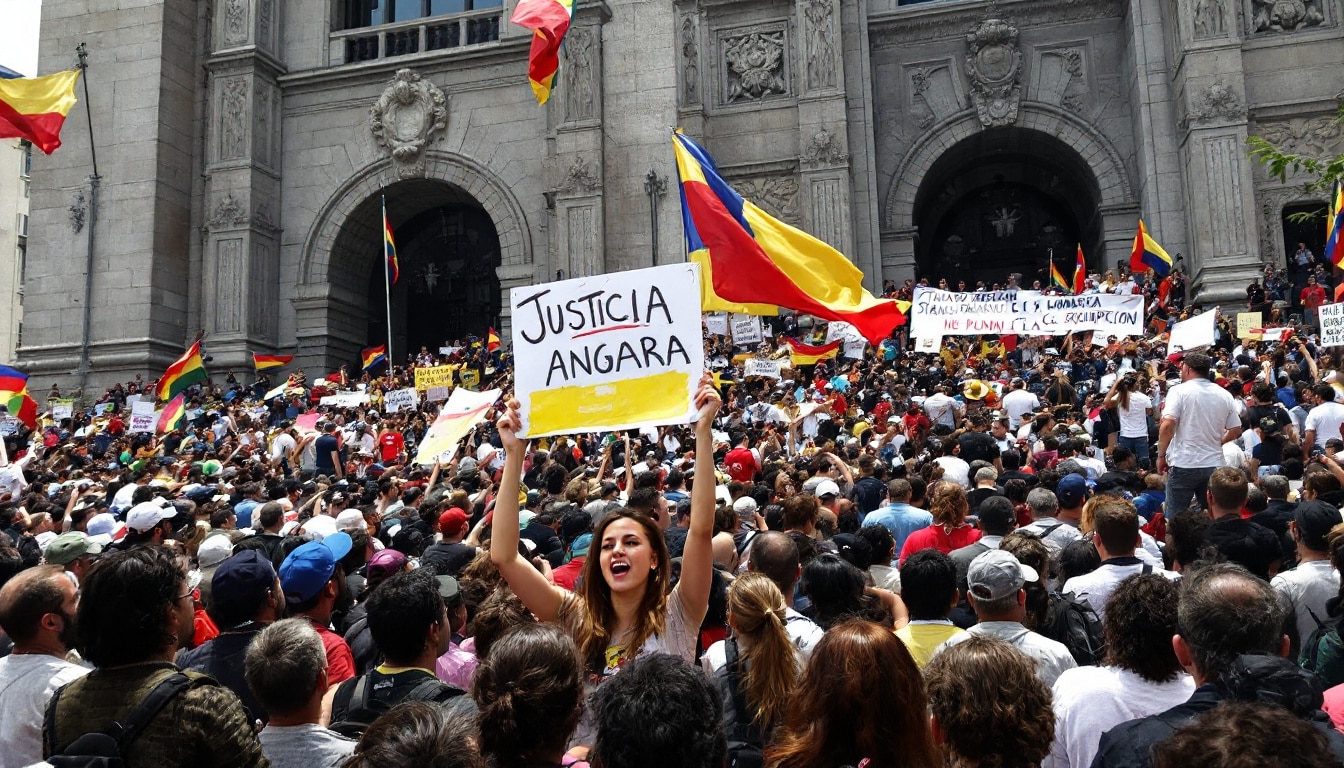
(248, 147)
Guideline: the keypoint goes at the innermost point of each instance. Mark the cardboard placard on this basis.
(436, 394)
(769, 369)
(400, 399)
(1193, 333)
(464, 410)
(437, 376)
(746, 330)
(1248, 323)
(1331, 318)
(716, 323)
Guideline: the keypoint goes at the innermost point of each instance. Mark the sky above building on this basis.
(19, 35)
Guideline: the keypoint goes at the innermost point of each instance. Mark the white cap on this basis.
(214, 550)
(350, 520)
(827, 488)
(745, 506)
(320, 526)
(147, 514)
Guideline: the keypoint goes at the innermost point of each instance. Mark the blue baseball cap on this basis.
(308, 569)
(1071, 491)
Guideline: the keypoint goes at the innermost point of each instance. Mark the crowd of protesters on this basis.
(1060, 552)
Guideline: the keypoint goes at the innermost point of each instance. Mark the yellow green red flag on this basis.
(549, 21)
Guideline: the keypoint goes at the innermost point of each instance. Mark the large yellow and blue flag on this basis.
(390, 249)
(1334, 228)
(1147, 254)
(747, 257)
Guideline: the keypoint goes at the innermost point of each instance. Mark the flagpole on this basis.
(87, 322)
(387, 288)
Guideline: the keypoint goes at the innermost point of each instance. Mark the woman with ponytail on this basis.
(756, 667)
(529, 689)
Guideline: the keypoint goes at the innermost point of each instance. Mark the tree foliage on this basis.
(1322, 173)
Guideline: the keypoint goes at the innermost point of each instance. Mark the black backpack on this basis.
(105, 749)
(1072, 622)
(363, 710)
(746, 743)
(1309, 652)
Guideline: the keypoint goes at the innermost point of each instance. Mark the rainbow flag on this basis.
(372, 356)
(1057, 277)
(491, 340)
(390, 249)
(34, 108)
(14, 396)
(172, 415)
(264, 362)
(747, 257)
(1079, 272)
(549, 21)
(1334, 229)
(187, 370)
(1147, 254)
(807, 354)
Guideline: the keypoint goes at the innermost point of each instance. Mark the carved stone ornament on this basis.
(690, 60)
(776, 195)
(235, 22)
(1209, 19)
(1317, 137)
(228, 213)
(411, 113)
(994, 68)
(820, 43)
(1286, 15)
(79, 208)
(823, 149)
(755, 66)
(580, 179)
(1217, 102)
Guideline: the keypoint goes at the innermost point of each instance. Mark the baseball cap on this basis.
(580, 546)
(320, 526)
(452, 522)
(214, 550)
(241, 583)
(996, 574)
(1314, 520)
(448, 588)
(382, 565)
(827, 488)
(350, 520)
(308, 569)
(745, 507)
(466, 466)
(147, 514)
(1071, 491)
(104, 524)
(70, 546)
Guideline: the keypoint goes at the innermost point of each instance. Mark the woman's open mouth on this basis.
(620, 569)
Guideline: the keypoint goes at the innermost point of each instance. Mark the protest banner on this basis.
(1331, 318)
(928, 343)
(853, 342)
(935, 313)
(622, 350)
(746, 330)
(437, 376)
(400, 399)
(1248, 323)
(716, 323)
(143, 417)
(345, 399)
(436, 394)
(464, 410)
(1193, 333)
(769, 369)
(449, 351)
(62, 409)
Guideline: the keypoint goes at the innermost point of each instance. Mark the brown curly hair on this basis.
(1245, 735)
(948, 504)
(989, 704)
(1140, 620)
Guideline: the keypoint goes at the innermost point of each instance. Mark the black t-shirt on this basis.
(1246, 543)
(978, 446)
(447, 559)
(325, 446)
(387, 691)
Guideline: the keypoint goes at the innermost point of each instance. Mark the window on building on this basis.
(370, 13)
(27, 147)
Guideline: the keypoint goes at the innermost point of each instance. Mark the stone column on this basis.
(823, 130)
(240, 296)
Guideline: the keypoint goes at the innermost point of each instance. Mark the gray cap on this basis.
(997, 574)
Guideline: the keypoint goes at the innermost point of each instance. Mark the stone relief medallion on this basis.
(1286, 15)
(411, 113)
(755, 66)
(994, 68)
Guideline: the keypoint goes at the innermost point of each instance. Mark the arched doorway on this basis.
(449, 255)
(1007, 201)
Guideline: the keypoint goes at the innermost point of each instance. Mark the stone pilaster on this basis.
(823, 131)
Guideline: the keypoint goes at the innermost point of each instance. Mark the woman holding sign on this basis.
(622, 608)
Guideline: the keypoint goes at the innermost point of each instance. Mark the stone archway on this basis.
(331, 295)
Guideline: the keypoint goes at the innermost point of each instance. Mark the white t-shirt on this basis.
(1324, 421)
(955, 470)
(1097, 587)
(1018, 403)
(1089, 701)
(1203, 412)
(282, 445)
(1134, 419)
(1308, 586)
(27, 682)
(1052, 658)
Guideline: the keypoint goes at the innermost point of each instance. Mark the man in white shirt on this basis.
(1019, 402)
(1054, 532)
(1314, 581)
(1142, 675)
(944, 409)
(1323, 420)
(996, 583)
(1115, 535)
(1198, 417)
(37, 611)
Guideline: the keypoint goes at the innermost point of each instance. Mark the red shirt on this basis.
(880, 413)
(937, 537)
(1312, 296)
(340, 662)
(741, 464)
(392, 444)
(567, 574)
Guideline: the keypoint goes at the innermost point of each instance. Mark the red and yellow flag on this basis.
(1080, 272)
(549, 21)
(1057, 277)
(1334, 229)
(34, 108)
(187, 370)
(264, 362)
(808, 354)
(491, 341)
(14, 396)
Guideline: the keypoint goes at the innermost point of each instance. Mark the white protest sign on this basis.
(616, 351)
(854, 343)
(1331, 318)
(436, 394)
(62, 410)
(143, 422)
(9, 425)
(769, 369)
(464, 410)
(400, 399)
(345, 399)
(141, 407)
(935, 313)
(928, 343)
(746, 330)
(1193, 333)
(131, 400)
(716, 323)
